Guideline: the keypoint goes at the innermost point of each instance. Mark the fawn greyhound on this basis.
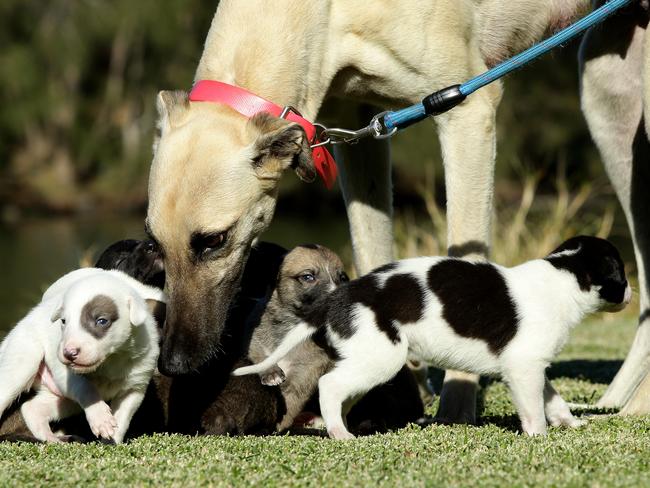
(214, 178)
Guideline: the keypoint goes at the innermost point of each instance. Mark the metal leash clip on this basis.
(334, 135)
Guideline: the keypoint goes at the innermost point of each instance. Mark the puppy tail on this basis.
(297, 335)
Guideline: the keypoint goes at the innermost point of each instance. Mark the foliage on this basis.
(79, 82)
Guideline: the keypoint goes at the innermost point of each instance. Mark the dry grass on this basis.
(527, 229)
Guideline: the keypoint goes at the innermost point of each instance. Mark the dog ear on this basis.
(138, 311)
(172, 110)
(281, 145)
(57, 314)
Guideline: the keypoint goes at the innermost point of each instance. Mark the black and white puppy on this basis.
(454, 314)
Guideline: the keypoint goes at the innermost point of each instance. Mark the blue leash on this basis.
(387, 123)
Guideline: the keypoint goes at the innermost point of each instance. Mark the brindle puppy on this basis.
(307, 272)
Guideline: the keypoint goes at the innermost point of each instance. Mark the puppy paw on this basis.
(340, 433)
(273, 377)
(101, 420)
(567, 422)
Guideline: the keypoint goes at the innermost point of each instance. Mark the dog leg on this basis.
(124, 406)
(332, 394)
(639, 404)
(20, 358)
(527, 387)
(369, 361)
(98, 414)
(556, 409)
(467, 138)
(366, 184)
(43, 408)
(612, 57)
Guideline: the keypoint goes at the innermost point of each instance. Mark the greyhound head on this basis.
(212, 190)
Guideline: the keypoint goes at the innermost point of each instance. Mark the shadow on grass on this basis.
(600, 371)
(591, 370)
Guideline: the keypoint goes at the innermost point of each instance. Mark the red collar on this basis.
(249, 104)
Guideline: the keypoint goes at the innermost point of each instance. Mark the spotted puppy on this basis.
(308, 273)
(475, 317)
(92, 339)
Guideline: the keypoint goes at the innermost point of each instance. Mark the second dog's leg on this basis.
(612, 86)
(639, 404)
(467, 137)
(367, 189)
(556, 410)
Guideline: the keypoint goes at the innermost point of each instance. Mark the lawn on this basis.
(609, 451)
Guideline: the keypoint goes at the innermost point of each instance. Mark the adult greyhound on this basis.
(214, 177)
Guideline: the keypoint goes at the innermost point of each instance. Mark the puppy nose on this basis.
(628, 294)
(71, 353)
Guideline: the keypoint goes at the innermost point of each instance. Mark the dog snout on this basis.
(71, 353)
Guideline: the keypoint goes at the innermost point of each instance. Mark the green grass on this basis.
(609, 451)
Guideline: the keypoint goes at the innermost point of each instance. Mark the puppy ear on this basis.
(138, 311)
(172, 108)
(57, 314)
(158, 310)
(281, 145)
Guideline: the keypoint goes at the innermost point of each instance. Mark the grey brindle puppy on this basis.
(308, 272)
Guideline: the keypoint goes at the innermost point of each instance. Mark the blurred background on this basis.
(78, 83)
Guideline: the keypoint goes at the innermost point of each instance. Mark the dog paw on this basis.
(566, 421)
(340, 434)
(101, 420)
(273, 377)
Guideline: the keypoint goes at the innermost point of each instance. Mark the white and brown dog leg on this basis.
(612, 61)
(467, 137)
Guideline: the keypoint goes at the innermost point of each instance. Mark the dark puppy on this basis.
(139, 259)
(475, 317)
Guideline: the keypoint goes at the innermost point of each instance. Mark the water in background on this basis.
(34, 253)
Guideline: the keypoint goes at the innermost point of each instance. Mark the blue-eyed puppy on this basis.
(90, 341)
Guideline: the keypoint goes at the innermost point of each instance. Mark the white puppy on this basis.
(91, 340)
(476, 317)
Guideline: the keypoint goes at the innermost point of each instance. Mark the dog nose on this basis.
(173, 364)
(71, 353)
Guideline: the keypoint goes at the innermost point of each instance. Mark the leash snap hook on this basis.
(378, 128)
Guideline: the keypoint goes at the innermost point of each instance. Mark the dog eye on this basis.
(101, 322)
(62, 321)
(343, 277)
(150, 247)
(207, 243)
(307, 278)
